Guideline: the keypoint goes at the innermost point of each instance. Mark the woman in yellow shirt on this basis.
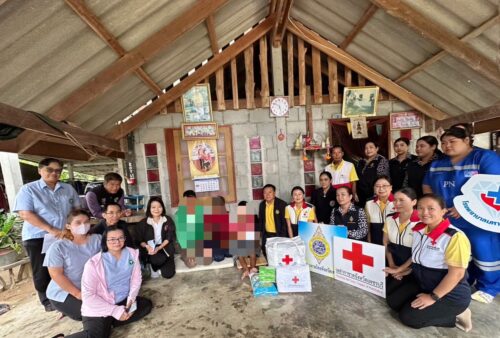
(298, 210)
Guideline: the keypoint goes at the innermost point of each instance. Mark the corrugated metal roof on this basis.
(392, 48)
(47, 51)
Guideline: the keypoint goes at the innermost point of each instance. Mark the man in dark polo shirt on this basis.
(109, 192)
(272, 221)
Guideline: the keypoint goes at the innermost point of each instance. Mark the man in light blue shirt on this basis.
(44, 206)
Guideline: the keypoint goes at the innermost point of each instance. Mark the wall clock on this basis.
(279, 106)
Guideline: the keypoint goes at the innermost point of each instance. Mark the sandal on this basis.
(482, 297)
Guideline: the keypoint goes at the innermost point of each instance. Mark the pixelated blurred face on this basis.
(112, 186)
(269, 194)
(343, 196)
(403, 203)
(337, 155)
(298, 196)
(112, 214)
(424, 149)
(156, 209)
(370, 150)
(400, 148)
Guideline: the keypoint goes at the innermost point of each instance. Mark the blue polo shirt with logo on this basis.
(53, 206)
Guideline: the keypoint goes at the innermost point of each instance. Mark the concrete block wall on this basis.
(245, 124)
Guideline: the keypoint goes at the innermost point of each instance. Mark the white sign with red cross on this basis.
(359, 264)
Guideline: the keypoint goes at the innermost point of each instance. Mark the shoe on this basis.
(155, 274)
(482, 297)
(49, 307)
(464, 321)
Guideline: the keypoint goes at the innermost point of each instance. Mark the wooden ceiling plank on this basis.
(333, 83)
(264, 73)
(219, 88)
(23, 119)
(371, 74)
(483, 114)
(93, 22)
(212, 35)
(249, 78)
(201, 73)
(435, 58)
(128, 63)
(316, 70)
(441, 37)
(367, 15)
(301, 53)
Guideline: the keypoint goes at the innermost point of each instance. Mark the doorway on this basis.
(378, 131)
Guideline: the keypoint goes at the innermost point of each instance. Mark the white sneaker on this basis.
(154, 274)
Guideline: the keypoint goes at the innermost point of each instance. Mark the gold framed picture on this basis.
(360, 101)
(197, 104)
(202, 130)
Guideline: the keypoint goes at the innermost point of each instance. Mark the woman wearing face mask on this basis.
(65, 260)
(298, 210)
(446, 178)
(427, 151)
(399, 164)
(368, 169)
(156, 238)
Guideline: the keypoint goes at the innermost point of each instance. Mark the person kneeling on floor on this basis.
(156, 238)
(438, 294)
(110, 286)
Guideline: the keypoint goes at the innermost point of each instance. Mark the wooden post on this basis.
(309, 117)
(302, 71)
(316, 65)
(219, 88)
(249, 79)
(234, 84)
(291, 88)
(333, 81)
(361, 80)
(347, 77)
(264, 74)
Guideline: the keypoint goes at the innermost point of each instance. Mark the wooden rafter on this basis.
(289, 44)
(316, 69)
(367, 15)
(264, 74)
(333, 82)
(219, 88)
(249, 78)
(283, 11)
(201, 73)
(469, 36)
(234, 83)
(135, 58)
(301, 50)
(441, 37)
(483, 114)
(210, 22)
(88, 17)
(371, 74)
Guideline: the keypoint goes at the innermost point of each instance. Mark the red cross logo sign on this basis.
(295, 280)
(357, 257)
(287, 260)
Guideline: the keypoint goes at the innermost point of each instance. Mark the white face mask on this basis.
(82, 229)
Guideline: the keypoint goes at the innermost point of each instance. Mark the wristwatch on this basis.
(435, 297)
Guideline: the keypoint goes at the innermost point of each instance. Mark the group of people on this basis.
(93, 273)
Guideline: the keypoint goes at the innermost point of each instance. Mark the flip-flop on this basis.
(482, 297)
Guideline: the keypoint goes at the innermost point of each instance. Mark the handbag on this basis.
(285, 251)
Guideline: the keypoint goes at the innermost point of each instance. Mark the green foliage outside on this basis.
(10, 232)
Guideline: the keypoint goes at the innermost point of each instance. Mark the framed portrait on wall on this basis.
(203, 158)
(406, 120)
(360, 101)
(197, 104)
(201, 130)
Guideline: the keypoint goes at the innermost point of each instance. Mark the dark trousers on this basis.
(442, 313)
(265, 236)
(295, 230)
(71, 307)
(41, 277)
(100, 327)
(165, 264)
(377, 233)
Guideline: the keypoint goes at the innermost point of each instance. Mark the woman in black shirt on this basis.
(399, 164)
(368, 169)
(323, 198)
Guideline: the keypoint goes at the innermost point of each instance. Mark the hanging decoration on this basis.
(359, 127)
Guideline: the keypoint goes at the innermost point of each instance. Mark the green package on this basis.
(267, 274)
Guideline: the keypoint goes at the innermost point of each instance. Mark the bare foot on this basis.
(245, 274)
(464, 320)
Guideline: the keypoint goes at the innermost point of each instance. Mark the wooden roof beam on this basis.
(91, 19)
(469, 36)
(201, 73)
(441, 37)
(283, 11)
(483, 114)
(135, 58)
(371, 74)
(367, 15)
(29, 121)
(212, 35)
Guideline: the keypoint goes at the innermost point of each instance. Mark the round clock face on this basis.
(279, 106)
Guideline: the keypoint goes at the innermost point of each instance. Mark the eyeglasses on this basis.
(52, 170)
(116, 240)
(382, 186)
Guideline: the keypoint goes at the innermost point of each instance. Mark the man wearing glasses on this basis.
(44, 206)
